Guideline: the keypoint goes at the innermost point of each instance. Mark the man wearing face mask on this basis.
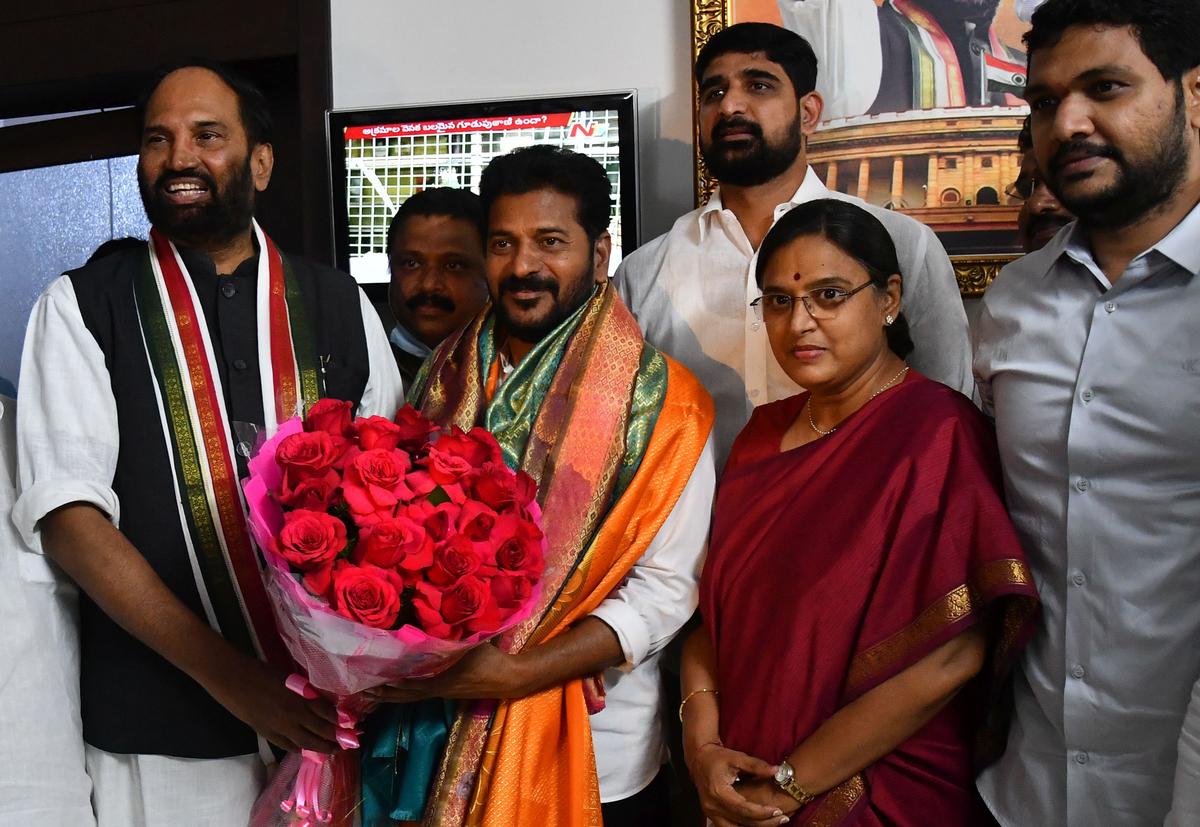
(435, 253)
(139, 371)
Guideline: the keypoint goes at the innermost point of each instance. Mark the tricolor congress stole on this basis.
(197, 428)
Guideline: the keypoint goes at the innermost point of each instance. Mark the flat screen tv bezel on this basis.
(336, 120)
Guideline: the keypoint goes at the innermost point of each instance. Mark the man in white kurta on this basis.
(42, 777)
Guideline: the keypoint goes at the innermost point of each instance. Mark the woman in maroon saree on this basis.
(864, 593)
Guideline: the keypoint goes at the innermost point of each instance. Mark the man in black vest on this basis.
(143, 376)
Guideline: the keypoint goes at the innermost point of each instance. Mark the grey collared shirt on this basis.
(1095, 388)
(691, 289)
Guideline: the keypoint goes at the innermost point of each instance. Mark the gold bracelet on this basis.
(691, 695)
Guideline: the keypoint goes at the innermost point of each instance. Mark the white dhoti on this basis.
(162, 791)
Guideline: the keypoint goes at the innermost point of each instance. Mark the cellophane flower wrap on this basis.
(391, 548)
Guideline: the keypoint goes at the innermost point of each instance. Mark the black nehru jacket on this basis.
(133, 700)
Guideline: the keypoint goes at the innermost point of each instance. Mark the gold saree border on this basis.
(953, 607)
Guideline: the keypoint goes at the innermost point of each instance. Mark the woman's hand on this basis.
(715, 770)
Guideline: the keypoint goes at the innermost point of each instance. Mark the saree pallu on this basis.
(611, 429)
(838, 564)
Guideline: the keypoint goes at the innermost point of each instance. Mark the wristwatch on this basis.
(785, 778)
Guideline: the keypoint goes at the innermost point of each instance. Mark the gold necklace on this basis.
(888, 384)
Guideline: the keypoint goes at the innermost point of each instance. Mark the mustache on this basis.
(727, 125)
(514, 283)
(1078, 150)
(434, 300)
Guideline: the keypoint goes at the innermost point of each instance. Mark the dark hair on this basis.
(252, 104)
(1165, 29)
(856, 233)
(1025, 138)
(541, 167)
(447, 201)
(788, 49)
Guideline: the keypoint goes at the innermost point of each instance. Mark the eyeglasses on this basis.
(1024, 187)
(822, 303)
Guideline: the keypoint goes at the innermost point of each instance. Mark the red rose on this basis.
(477, 446)
(497, 486)
(398, 542)
(367, 594)
(329, 415)
(309, 539)
(415, 429)
(315, 494)
(319, 582)
(374, 485)
(452, 560)
(306, 455)
(511, 590)
(441, 520)
(518, 545)
(463, 609)
(476, 522)
(469, 603)
(377, 432)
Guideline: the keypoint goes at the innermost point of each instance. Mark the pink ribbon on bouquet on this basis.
(306, 791)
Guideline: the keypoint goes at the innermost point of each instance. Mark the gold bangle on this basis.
(691, 695)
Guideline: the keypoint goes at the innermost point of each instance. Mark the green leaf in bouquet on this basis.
(438, 496)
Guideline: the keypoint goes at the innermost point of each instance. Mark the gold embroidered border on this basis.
(837, 803)
(946, 611)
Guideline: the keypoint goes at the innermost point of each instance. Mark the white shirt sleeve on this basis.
(67, 437)
(844, 34)
(933, 306)
(661, 590)
(1185, 804)
(384, 393)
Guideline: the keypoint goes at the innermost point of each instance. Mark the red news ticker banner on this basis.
(446, 127)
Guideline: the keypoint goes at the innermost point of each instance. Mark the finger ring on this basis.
(737, 778)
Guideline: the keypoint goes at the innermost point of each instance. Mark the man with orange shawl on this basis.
(617, 436)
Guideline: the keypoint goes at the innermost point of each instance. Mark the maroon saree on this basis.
(836, 565)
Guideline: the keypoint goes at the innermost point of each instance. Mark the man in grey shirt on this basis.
(691, 288)
(1088, 355)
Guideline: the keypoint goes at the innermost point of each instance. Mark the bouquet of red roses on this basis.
(391, 547)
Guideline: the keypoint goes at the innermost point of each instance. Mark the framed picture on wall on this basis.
(922, 110)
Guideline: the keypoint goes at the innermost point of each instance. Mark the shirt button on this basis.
(1078, 579)
(1110, 306)
(754, 394)
(228, 290)
(1088, 395)
(1083, 484)
(239, 364)
(1081, 757)
(755, 326)
(1077, 671)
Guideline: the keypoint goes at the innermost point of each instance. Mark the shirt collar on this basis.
(402, 338)
(1181, 245)
(810, 189)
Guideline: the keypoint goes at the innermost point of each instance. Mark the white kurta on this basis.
(42, 778)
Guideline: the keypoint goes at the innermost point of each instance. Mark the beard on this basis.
(228, 211)
(1140, 188)
(755, 163)
(532, 331)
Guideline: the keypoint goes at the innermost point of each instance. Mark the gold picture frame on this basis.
(973, 272)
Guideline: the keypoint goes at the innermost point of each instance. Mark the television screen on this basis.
(379, 157)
